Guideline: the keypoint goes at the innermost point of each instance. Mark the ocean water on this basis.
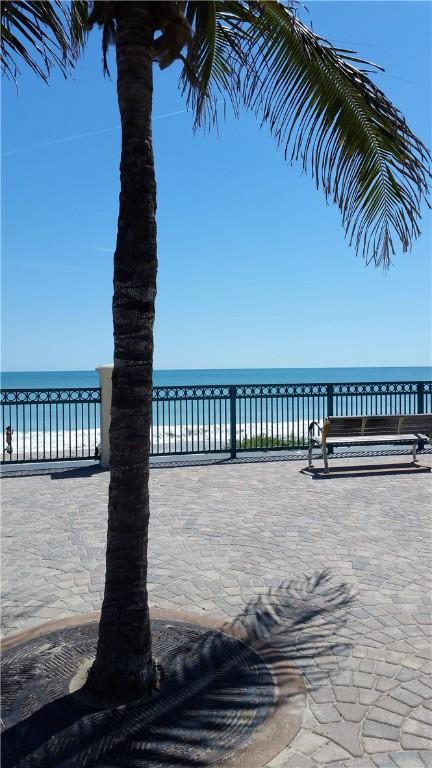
(200, 376)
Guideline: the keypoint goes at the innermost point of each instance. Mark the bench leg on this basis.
(324, 451)
(414, 452)
(310, 454)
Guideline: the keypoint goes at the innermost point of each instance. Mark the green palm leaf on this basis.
(322, 108)
(213, 58)
(42, 34)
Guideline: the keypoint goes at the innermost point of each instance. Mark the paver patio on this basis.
(223, 534)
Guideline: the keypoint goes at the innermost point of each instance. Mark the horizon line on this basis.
(247, 368)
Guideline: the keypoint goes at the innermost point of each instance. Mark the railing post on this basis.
(105, 373)
(330, 396)
(233, 421)
(330, 393)
(420, 397)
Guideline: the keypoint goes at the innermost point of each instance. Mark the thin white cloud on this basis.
(59, 141)
(170, 114)
(82, 135)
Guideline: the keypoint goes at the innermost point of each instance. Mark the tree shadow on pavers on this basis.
(56, 473)
(365, 470)
(65, 474)
(220, 687)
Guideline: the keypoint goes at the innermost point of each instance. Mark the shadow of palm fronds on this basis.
(219, 688)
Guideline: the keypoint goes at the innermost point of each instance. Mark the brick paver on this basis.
(223, 534)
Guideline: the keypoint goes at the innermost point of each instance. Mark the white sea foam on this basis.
(41, 445)
(213, 436)
(167, 440)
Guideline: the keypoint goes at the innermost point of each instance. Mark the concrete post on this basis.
(105, 373)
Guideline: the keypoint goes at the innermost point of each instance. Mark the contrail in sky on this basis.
(83, 135)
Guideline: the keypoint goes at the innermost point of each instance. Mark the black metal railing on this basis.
(257, 417)
(49, 424)
(64, 424)
(190, 419)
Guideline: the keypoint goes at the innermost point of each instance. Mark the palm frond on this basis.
(213, 59)
(102, 14)
(42, 34)
(296, 617)
(322, 109)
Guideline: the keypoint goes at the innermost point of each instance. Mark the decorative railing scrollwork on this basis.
(46, 396)
(376, 388)
(281, 390)
(190, 392)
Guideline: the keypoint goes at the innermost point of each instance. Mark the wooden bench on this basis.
(376, 430)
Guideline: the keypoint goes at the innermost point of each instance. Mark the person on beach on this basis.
(8, 435)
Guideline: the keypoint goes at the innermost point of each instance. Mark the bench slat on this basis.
(341, 426)
(418, 425)
(371, 438)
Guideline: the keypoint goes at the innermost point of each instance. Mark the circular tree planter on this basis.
(222, 701)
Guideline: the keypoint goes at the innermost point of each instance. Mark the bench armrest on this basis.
(311, 430)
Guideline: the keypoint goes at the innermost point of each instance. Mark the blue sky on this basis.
(254, 270)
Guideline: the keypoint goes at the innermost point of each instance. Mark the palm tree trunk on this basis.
(124, 665)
